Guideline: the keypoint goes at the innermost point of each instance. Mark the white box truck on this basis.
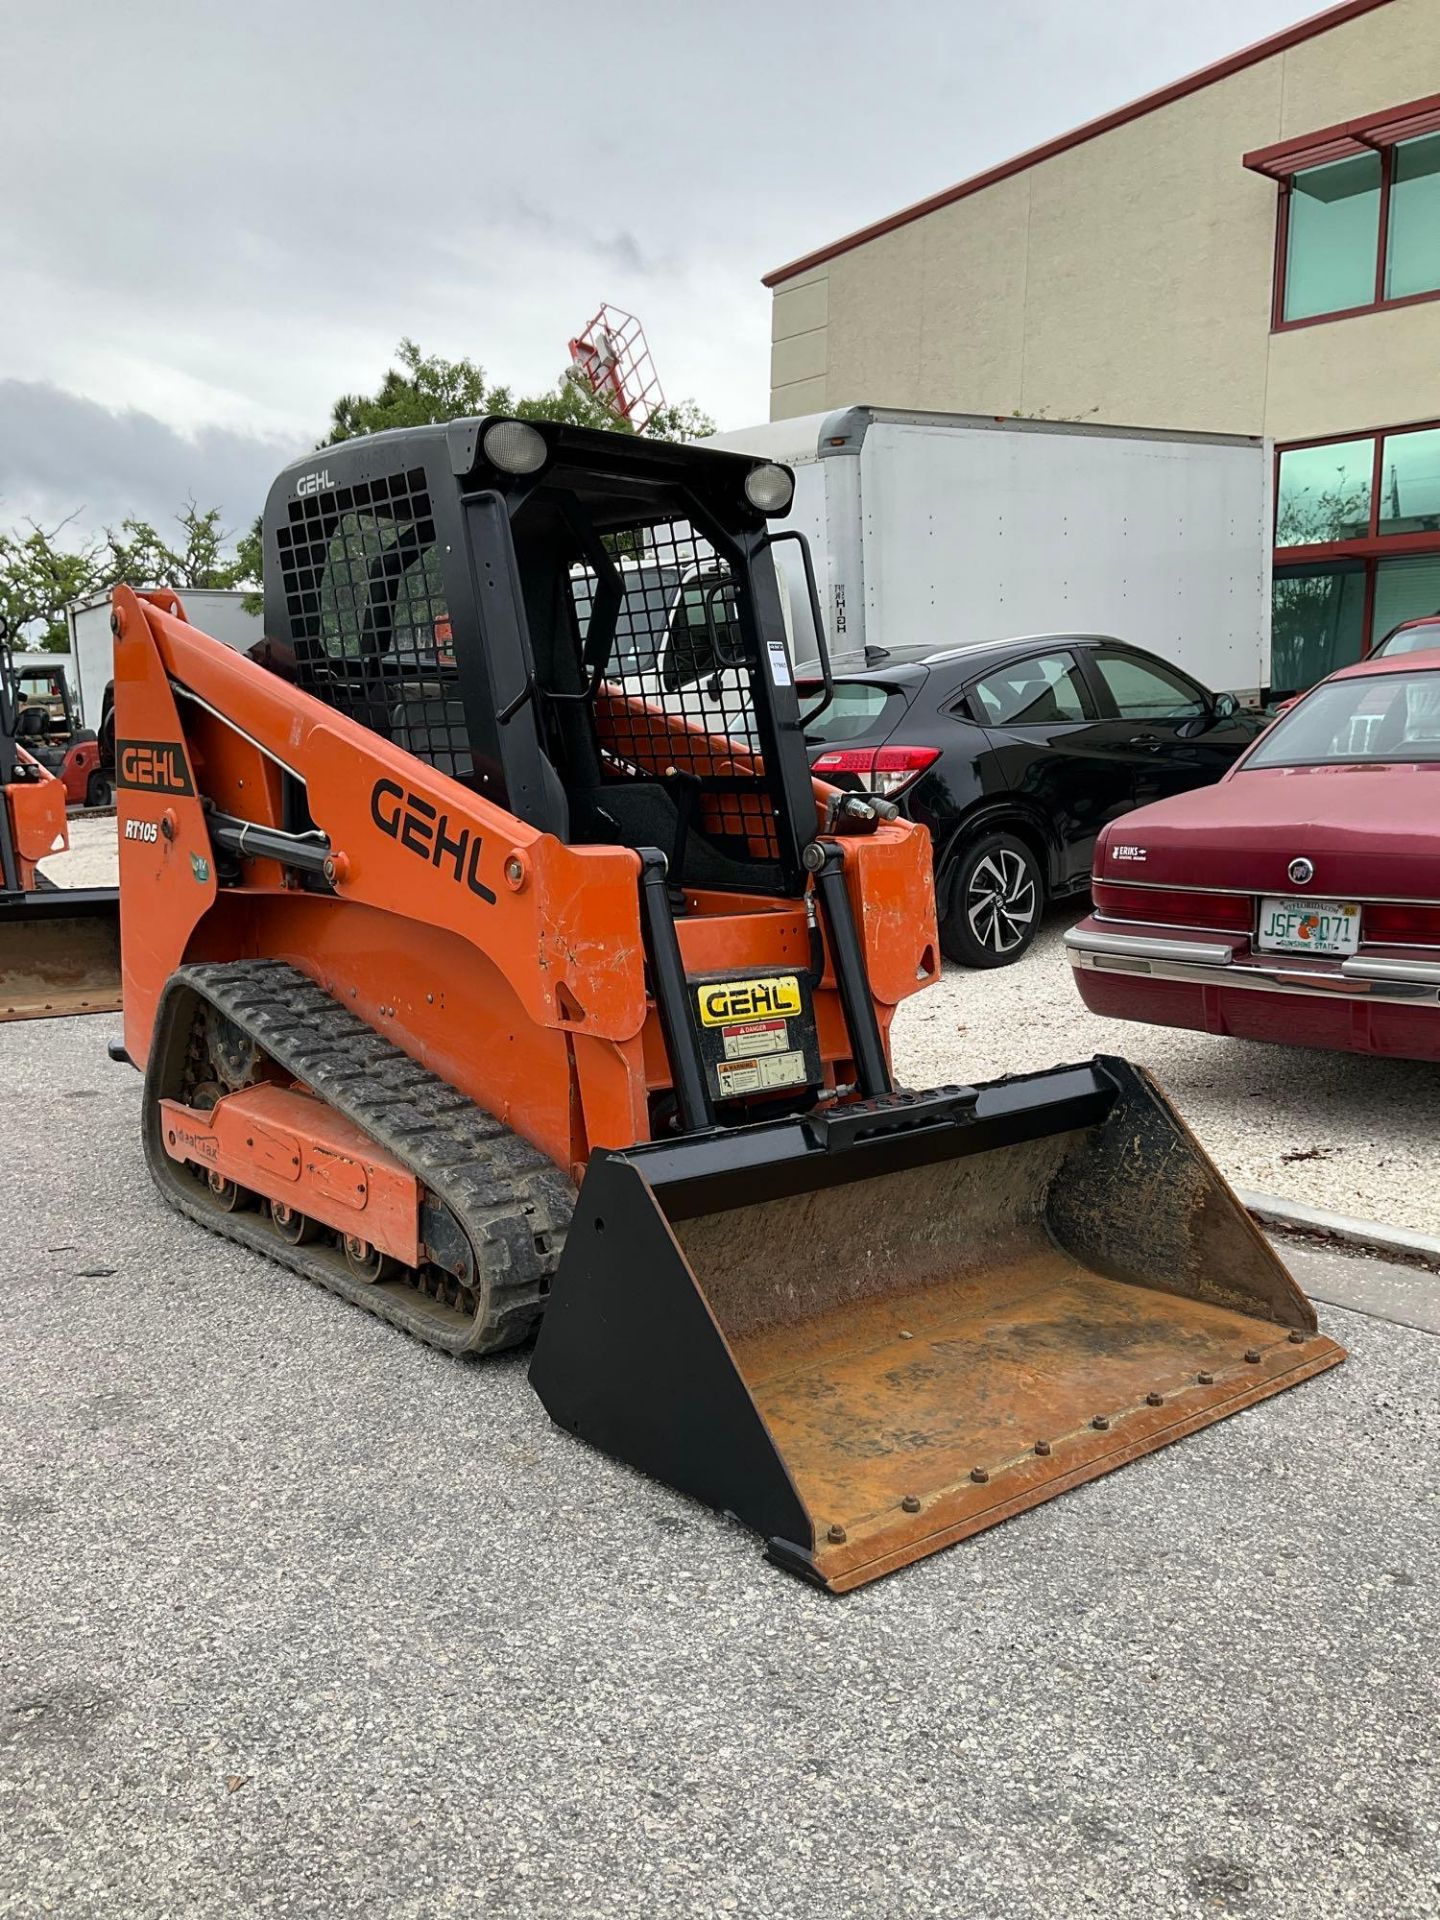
(933, 529)
(220, 612)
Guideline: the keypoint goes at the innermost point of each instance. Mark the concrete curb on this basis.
(1366, 1236)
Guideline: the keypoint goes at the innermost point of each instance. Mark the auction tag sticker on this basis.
(779, 663)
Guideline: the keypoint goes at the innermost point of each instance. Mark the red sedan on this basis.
(1299, 899)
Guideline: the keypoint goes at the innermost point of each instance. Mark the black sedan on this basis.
(1015, 753)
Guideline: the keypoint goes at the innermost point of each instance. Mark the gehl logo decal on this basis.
(152, 766)
(425, 831)
(314, 482)
(731, 1000)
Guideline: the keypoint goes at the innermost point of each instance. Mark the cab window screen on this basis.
(647, 599)
(679, 703)
(361, 573)
(704, 632)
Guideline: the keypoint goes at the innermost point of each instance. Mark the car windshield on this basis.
(1411, 640)
(1371, 718)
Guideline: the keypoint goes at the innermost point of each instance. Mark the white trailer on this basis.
(220, 612)
(933, 529)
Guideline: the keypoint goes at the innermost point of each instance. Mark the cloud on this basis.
(240, 210)
(60, 452)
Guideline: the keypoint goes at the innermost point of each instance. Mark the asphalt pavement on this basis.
(301, 1618)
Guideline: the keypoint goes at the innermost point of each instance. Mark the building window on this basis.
(1409, 483)
(1357, 547)
(1333, 231)
(1359, 218)
(1413, 251)
(1317, 622)
(1375, 486)
(1323, 493)
(1404, 589)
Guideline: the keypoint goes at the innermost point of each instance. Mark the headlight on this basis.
(513, 447)
(769, 489)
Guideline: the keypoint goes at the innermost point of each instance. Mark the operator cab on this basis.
(585, 627)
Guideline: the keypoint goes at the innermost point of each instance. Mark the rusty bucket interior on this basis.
(59, 953)
(870, 1350)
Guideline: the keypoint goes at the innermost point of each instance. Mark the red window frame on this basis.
(1372, 543)
(1375, 133)
(1373, 546)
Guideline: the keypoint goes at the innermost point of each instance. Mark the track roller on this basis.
(296, 1229)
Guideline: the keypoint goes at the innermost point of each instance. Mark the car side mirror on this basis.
(1225, 707)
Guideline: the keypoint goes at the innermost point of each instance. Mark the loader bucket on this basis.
(59, 952)
(870, 1337)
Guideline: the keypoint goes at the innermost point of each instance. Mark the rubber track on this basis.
(512, 1202)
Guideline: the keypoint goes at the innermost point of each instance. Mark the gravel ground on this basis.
(301, 1618)
(91, 861)
(1353, 1135)
(1346, 1132)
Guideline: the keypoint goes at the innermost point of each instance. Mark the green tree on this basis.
(426, 389)
(41, 575)
(138, 553)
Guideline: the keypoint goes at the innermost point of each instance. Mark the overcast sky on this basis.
(217, 217)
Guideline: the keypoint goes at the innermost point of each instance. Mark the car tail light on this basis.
(1176, 907)
(887, 771)
(1407, 925)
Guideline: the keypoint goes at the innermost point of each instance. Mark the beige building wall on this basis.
(1129, 278)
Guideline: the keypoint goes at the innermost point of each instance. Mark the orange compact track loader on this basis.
(59, 946)
(507, 878)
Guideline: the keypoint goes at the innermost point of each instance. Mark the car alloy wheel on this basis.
(1001, 901)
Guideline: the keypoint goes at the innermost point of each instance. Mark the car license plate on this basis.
(1309, 926)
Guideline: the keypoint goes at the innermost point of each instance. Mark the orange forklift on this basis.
(59, 946)
(47, 727)
(494, 962)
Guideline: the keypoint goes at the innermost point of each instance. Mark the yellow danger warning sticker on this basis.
(724, 1001)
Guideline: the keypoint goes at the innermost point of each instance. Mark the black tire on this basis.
(997, 893)
(97, 790)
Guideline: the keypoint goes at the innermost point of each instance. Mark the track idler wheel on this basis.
(368, 1263)
(296, 1229)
